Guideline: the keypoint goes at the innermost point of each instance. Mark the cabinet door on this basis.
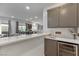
(50, 47)
(78, 13)
(68, 15)
(78, 50)
(53, 17)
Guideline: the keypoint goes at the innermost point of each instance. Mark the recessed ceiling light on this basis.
(27, 7)
(36, 17)
(12, 16)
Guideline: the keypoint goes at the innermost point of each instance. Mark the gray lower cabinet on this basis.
(68, 15)
(53, 15)
(50, 47)
(78, 50)
(60, 48)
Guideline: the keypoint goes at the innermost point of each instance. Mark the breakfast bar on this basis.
(22, 45)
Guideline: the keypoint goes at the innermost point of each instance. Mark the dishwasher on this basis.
(67, 49)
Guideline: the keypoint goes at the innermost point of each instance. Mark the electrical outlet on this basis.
(58, 32)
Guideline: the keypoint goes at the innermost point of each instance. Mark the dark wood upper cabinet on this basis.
(53, 15)
(68, 15)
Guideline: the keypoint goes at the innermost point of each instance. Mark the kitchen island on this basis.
(23, 45)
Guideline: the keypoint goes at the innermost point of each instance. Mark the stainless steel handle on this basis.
(67, 44)
(75, 46)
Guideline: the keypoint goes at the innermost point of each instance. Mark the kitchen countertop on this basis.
(75, 41)
(8, 40)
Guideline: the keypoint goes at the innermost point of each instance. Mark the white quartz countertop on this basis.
(8, 40)
(75, 41)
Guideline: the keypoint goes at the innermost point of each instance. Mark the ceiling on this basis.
(18, 10)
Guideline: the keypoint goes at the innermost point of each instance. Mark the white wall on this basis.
(65, 31)
(13, 26)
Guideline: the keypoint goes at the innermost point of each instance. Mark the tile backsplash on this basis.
(65, 33)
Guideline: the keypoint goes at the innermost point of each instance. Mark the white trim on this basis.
(56, 5)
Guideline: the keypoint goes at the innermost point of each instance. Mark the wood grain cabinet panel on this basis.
(68, 15)
(64, 16)
(53, 15)
(78, 13)
(50, 47)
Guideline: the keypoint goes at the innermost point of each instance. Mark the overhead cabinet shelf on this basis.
(63, 16)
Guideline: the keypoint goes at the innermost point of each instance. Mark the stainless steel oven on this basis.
(67, 49)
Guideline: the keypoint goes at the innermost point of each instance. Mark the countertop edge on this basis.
(6, 42)
(74, 41)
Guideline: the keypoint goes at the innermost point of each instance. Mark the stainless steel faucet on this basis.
(73, 31)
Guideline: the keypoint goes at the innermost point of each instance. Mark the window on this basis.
(4, 28)
(34, 27)
(22, 28)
